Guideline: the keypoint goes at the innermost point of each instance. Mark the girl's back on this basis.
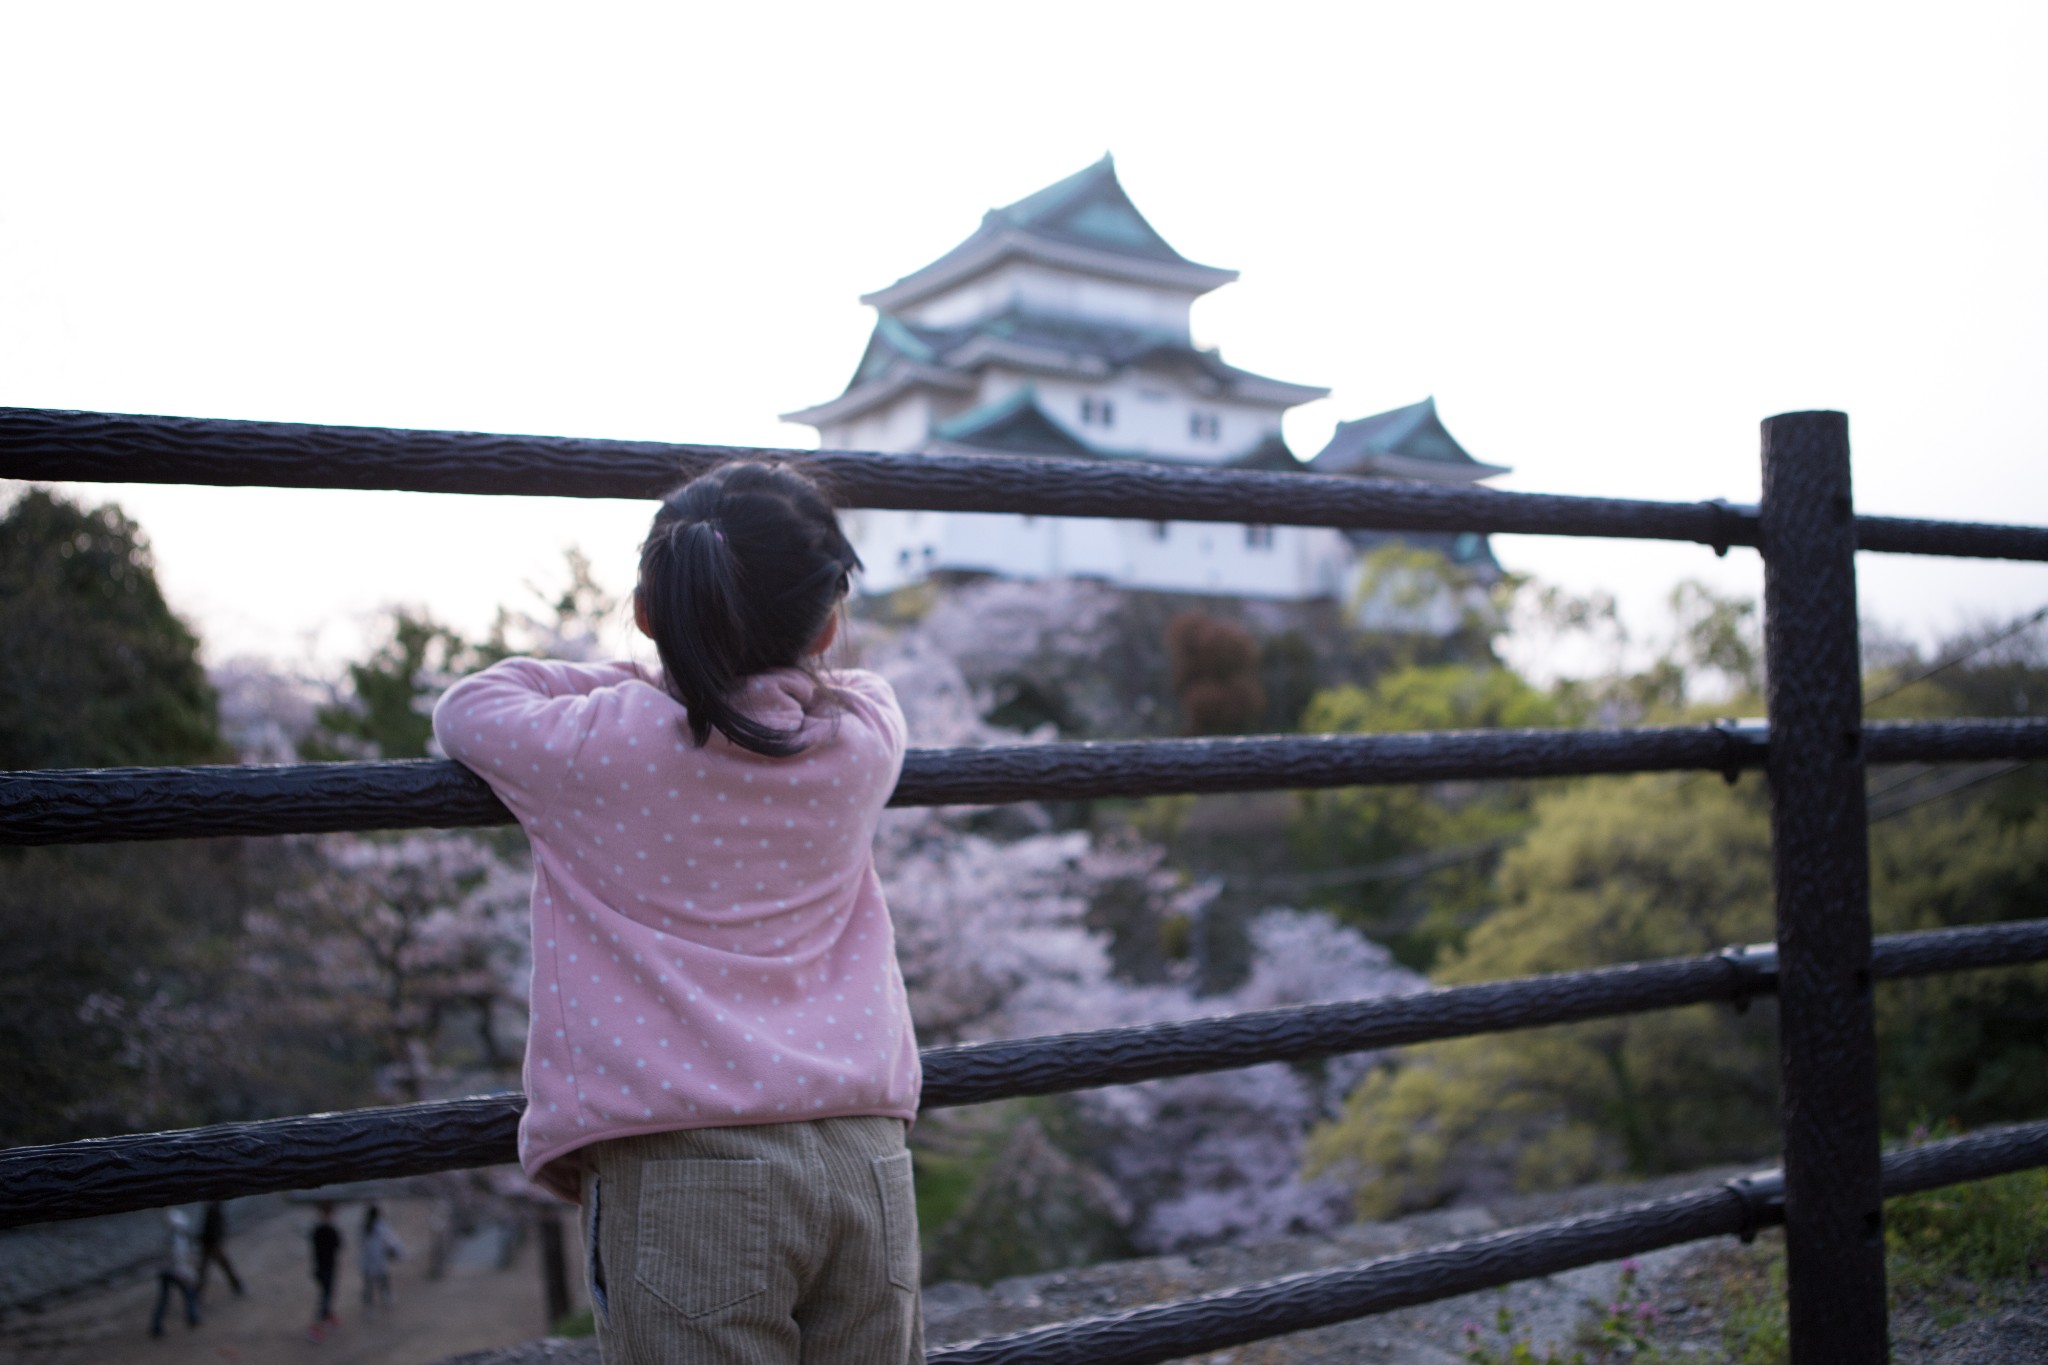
(710, 943)
(719, 1065)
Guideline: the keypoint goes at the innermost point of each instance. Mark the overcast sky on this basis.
(1608, 239)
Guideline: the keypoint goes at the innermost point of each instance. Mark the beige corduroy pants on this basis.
(776, 1244)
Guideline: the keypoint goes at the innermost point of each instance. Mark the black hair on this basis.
(741, 571)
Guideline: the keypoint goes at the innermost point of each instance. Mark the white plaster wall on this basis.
(1303, 563)
(1152, 411)
(1210, 557)
(1060, 293)
(969, 301)
(1201, 557)
(900, 424)
(891, 546)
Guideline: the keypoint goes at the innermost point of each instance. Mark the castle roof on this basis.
(1406, 443)
(1271, 454)
(900, 355)
(1011, 426)
(1085, 222)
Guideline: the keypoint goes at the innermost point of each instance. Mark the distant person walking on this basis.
(326, 1255)
(213, 1246)
(379, 1249)
(180, 1271)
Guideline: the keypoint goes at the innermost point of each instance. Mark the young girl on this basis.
(720, 1065)
(374, 1254)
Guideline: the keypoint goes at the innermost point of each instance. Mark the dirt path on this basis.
(473, 1306)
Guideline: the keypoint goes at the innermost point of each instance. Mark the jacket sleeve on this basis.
(518, 723)
(870, 697)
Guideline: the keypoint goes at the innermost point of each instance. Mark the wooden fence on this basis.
(1829, 1193)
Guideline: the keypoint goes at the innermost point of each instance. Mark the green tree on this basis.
(387, 711)
(1707, 660)
(98, 671)
(1423, 855)
(1971, 1046)
(107, 947)
(1426, 609)
(1615, 870)
(1611, 871)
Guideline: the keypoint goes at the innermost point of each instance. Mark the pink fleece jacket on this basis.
(710, 945)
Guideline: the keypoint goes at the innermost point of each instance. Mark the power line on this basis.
(1924, 674)
(1969, 777)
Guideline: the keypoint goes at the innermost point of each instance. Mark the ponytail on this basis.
(739, 574)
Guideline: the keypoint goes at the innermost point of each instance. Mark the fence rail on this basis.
(109, 804)
(1319, 1298)
(1816, 749)
(117, 448)
(112, 1175)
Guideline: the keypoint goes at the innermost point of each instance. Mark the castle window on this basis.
(1258, 537)
(1159, 530)
(1204, 426)
(1098, 412)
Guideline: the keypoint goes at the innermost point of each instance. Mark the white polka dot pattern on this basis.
(690, 979)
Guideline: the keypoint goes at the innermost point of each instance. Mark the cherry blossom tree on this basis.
(997, 939)
(414, 944)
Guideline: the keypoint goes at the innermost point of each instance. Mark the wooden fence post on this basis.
(1820, 852)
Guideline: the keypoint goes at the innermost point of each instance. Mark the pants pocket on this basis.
(702, 1240)
(899, 1218)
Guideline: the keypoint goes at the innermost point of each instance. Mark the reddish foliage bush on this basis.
(1215, 674)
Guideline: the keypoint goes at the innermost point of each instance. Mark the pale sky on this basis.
(1608, 238)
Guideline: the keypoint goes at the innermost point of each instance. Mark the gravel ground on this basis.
(478, 1302)
(2015, 1332)
(46, 1264)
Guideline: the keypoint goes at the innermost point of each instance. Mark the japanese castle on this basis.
(1060, 327)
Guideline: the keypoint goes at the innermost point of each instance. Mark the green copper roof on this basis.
(1091, 208)
(1085, 222)
(1406, 442)
(891, 340)
(1269, 454)
(1014, 426)
(895, 343)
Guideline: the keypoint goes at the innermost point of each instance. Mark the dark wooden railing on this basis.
(1815, 748)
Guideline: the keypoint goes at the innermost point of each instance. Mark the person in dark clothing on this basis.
(213, 1248)
(326, 1257)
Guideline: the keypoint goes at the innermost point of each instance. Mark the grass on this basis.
(1960, 1241)
(579, 1323)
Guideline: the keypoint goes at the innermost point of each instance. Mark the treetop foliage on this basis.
(98, 672)
(1611, 870)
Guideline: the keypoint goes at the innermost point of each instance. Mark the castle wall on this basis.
(1049, 291)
